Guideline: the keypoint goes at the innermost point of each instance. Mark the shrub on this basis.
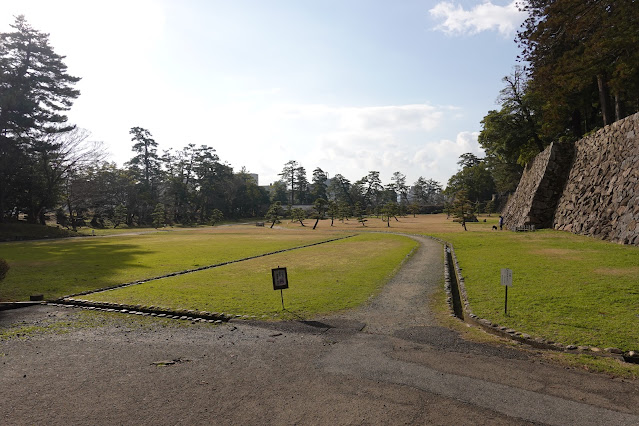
(4, 268)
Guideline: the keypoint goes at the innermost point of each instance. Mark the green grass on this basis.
(61, 267)
(322, 279)
(566, 288)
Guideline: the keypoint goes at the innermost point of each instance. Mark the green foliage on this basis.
(319, 184)
(426, 191)
(290, 177)
(119, 215)
(332, 210)
(158, 216)
(35, 93)
(490, 207)
(274, 213)
(582, 55)
(216, 216)
(389, 210)
(320, 206)
(462, 208)
(474, 179)
(4, 269)
(344, 210)
(298, 215)
(339, 189)
(360, 212)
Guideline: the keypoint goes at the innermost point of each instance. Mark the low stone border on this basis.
(469, 317)
(202, 268)
(154, 311)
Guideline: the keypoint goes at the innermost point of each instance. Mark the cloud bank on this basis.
(483, 17)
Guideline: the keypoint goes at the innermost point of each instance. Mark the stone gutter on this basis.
(453, 279)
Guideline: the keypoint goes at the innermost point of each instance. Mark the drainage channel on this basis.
(459, 305)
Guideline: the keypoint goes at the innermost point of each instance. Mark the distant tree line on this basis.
(48, 166)
(369, 194)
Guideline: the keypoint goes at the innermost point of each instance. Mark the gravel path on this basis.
(386, 363)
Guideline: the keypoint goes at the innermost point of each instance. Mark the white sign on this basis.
(507, 277)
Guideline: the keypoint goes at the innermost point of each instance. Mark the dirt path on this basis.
(387, 363)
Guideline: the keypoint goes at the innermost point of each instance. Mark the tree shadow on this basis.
(60, 268)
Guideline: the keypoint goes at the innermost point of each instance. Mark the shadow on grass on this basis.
(56, 269)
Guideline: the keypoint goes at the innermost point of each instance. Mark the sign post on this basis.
(280, 281)
(506, 281)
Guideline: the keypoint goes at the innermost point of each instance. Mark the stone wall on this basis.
(591, 189)
(540, 188)
(601, 196)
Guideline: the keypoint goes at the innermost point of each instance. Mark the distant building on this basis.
(253, 176)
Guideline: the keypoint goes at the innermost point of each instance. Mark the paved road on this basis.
(387, 363)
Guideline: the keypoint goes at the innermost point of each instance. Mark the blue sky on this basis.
(346, 85)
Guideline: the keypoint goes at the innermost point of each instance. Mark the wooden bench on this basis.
(525, 228)
(259, 224)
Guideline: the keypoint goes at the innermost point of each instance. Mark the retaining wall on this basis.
(589, 189)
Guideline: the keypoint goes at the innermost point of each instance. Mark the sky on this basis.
(349, 86)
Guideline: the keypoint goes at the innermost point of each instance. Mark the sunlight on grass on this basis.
(62, 267)
(567, 288)
(322, 279)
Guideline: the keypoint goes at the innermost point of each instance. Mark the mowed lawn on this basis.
(322, 279)
(567, 288)
(60, 267)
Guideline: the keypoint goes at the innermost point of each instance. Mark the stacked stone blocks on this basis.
(591, 189)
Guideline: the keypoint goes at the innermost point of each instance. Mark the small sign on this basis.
(507, 277)
(280, 279)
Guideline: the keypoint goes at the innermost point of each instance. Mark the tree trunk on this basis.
(603, 98)
(618, 113)
(42, 217)
(316, 222)
(71, 218)
(575, 124)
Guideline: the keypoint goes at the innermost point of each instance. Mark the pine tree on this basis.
(35, 92)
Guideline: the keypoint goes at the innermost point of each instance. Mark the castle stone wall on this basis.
(589, 189)
(601, 196)
(540, 188)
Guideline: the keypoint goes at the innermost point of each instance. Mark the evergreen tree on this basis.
(35, 93)
(319, 184)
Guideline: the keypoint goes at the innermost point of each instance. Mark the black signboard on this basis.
(280, 279)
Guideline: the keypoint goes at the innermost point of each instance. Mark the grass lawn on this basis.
(322, 279)
(61, 267)
(567, 288)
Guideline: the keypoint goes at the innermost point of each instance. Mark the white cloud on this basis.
(483, 17)
(347, 140)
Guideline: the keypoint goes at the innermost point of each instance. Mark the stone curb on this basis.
(493, 328)
(154, 311)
